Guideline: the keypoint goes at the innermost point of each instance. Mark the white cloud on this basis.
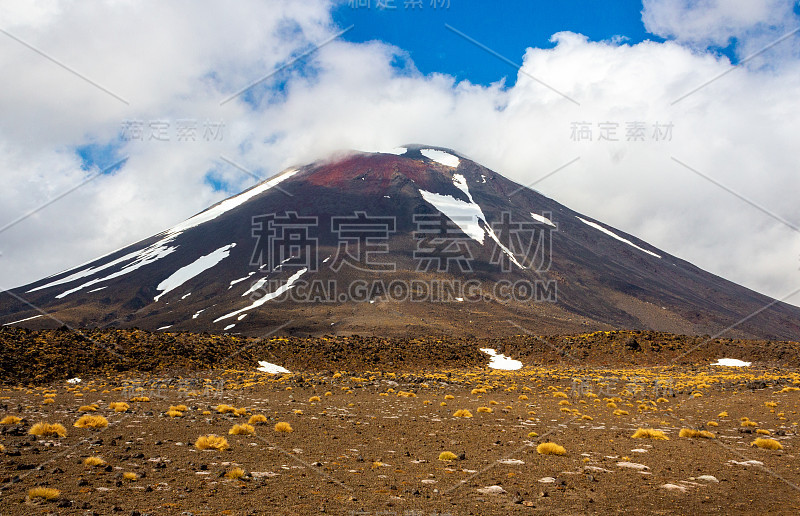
(739, 129)
(755, 23)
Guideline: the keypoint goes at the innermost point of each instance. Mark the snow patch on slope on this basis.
(543, 219)
(231, 203)
(281, 290)
(160, 249)
(501, 361)
(731, 362)
(465, 214)
(195, 268)
(445, 158)
(266, 367)
(146, 256)
(614, 235)
(22, 320)
(397, 151)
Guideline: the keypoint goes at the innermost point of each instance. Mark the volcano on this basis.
(419, 240)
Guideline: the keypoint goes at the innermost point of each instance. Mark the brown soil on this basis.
(372, 445)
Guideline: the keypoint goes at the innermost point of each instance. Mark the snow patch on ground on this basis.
(234, 282)
(614, 235)
(282, 289)
(543, 219)
(731, 362)
(397, 151)
(198, 313)
(137, 259)
(256, 286)
(505, 249)
(266, 367)
(195, 268)
(73, 381)
(164, 327)
(501, 361)
(229, 327)
(234, 202)
(445, 158)
(97, 289)
(465, 214)
(22, 320)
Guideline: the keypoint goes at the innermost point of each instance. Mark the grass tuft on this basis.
(550, 449)
(256, 419)
(243, 429)
(284, 427)
(485, 410)
(48, 430)
(447, 455)
(10, 420)
(94, 461)
(767, 444)
(119, 406)
(650, 433)
(91, 422)
(43, 493)
(234, 474)
(462, 413)
(211, 442)
(691, 433)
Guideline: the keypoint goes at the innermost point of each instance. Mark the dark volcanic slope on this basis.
(223, 269)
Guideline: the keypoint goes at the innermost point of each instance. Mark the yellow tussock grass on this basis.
(48, 430)
(119, 406)
(312, 399)
(762, 431)
(92, 422)
(244, 429)
(462, 413)
(447, 455)
(284, 427)
(43, 493)
(94, 461)
(211, 442)
(692, 433)
(550, 449)
(179, 408)
(87, 408)
(650, 433)
(486, 410)
(130, 475)
(225, 409)
(234, 474)
(256, 419)
(712, 423)
(767, 444)
(10, 420)
(449, 397)
(174, 413)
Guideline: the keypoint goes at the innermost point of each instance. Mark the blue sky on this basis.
(506, 26)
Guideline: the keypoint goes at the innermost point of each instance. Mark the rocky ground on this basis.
(368, 441)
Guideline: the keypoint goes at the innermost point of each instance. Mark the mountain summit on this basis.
(416, 240)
